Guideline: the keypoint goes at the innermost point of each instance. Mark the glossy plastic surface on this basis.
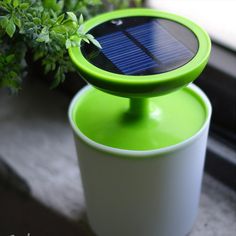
(164, 121)
(143, 85)
(137, 193)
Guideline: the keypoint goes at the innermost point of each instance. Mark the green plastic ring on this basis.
(144, 85)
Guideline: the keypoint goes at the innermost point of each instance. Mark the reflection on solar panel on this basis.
(160, 43)
(124, 54)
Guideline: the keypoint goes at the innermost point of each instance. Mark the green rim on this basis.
(147, 85)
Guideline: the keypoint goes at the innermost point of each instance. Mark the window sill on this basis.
(48, 172)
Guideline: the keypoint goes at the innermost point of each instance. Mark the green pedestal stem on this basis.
(138, 108)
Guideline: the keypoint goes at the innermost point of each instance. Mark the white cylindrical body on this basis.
(142, 193)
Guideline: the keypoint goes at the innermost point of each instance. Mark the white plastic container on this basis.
(142, 193)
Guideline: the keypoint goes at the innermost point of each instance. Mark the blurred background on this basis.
(40, 188)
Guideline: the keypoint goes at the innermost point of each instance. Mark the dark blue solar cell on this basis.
(125, 54)
(160, 43)
(141, 46)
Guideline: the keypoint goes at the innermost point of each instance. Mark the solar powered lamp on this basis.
(140, 131)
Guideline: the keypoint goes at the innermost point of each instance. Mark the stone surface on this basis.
(36, 141)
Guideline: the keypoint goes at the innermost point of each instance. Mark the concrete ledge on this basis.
(37, 144)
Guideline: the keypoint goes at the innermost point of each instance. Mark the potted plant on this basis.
(32, 30)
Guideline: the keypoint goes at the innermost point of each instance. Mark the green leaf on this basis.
(8, 1)
(4, 21)
(84, 38)
(17, 21)
(12, 75)
(3, 5)
(96, 2)
(10, 58)
(24, 6)
(16, 3)
(80, 30)
(37, 21)
(68, 43)
(60, 5)
(38, 55)
(53, 13)
(53, 5)
(59, 29)
(72, 16)
(10, 83)
(60, 18)
(45, 17)
(95, 42)
(47, 68)
(57, 48)
(11, 28)
(81, 19)
(90, 36)
(75, 43)
(43, 36)
(59, 77)
(71, 27)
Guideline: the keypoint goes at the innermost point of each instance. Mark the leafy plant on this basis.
(44, 27)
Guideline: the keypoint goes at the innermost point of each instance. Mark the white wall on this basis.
(218, 17)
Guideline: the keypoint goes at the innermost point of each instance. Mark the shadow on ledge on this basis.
(21, 215)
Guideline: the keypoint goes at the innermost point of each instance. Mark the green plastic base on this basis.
(139, 124)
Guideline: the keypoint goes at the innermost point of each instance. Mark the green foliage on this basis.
(11, 65)
(45, 28)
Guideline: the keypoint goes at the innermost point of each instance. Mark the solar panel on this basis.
(126, 55)
(160, 43)
(141, 46)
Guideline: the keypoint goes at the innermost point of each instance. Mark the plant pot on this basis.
(142, 193)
